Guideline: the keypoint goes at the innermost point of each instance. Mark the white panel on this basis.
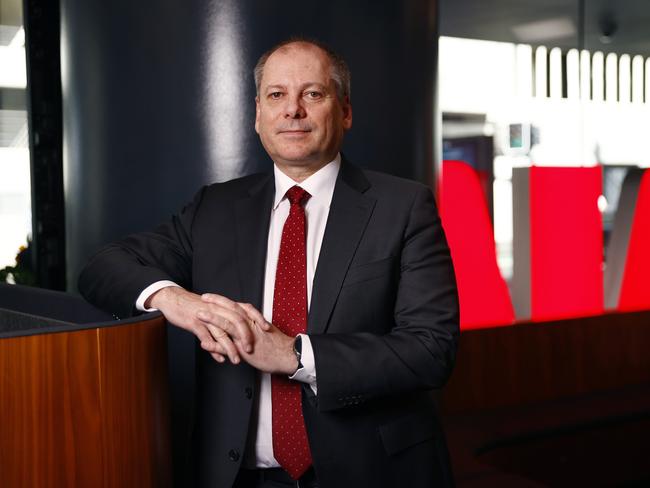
(637, 79)
(540, 72)
(624, 79)
(475, 76)
(585, 75)
(611, 78)
(573, 74)
(555, 60)
(524, 68)
(598, 77)
(647, 80)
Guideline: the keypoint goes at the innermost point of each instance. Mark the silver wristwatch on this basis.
(297, 349)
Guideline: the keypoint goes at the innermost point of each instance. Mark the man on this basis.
(322, 296)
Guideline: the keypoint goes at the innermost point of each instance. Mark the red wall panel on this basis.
(484, 297)
(635, 289)
(566, 243)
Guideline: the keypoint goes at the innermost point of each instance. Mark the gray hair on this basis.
(339, 72)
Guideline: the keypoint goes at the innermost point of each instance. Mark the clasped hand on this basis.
(228, 329)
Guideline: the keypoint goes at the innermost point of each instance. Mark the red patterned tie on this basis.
(290, 444)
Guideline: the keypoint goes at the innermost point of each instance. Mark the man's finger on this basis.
(223, 302)
(256, 316)
(226, 343)
(208, 343)
(202, 334)
(212, 346)
(234, 325)
(215, 349)
(218, 357)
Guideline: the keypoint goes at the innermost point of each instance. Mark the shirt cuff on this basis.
(150, 290)
(306, 374)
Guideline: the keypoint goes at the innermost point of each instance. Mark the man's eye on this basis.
(275, 95)
(314, 95)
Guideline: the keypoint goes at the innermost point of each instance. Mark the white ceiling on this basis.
(11, 12)
(504, 20)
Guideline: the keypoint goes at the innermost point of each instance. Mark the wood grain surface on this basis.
(558, 403)
(87, 408)
(529, 363)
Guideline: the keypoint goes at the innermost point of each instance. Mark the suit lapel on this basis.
(252, 216)
(349, 214)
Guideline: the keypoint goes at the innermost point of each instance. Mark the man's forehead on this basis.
(295, 51)
(303, 46)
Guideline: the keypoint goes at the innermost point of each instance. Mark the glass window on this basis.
(545, 86)
(15, 206)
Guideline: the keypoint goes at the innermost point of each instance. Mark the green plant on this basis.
(21, 273)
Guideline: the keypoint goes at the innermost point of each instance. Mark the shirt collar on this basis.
(320, 185)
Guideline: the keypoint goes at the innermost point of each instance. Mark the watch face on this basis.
(297, 349)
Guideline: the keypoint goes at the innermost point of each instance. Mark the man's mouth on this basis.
(294, 131)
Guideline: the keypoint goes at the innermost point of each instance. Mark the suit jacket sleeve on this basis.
(116, 275)
(419, 351)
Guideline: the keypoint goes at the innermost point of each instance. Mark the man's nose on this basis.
(294, 108)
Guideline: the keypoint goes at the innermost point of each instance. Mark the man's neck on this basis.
(300, 172)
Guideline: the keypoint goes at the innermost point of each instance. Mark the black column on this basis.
(158, 98)
(45, 143)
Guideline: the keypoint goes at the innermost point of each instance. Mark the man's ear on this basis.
(347, 113)
(257, 114)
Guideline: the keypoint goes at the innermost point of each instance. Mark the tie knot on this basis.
(297, 195)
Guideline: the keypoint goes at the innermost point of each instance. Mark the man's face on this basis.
(299, 118)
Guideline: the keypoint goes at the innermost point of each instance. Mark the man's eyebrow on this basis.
(313, 83)
(302, 87)
(274, 87)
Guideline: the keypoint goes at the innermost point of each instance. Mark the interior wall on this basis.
(158, 99)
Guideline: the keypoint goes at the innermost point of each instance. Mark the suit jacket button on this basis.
(233, 455)
(249, 392)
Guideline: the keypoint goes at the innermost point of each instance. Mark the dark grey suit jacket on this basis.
(383, 323)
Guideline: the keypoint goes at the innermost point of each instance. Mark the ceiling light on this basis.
(544, 30)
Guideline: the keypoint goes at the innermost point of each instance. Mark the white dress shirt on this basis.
(320, 186)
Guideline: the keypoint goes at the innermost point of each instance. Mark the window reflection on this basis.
(542, 106)
(15, 208)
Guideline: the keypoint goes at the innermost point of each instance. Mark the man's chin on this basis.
(298, 157)
(302, 160)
